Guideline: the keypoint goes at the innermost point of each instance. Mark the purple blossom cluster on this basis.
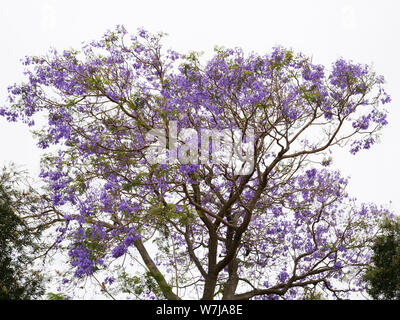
(121, 249)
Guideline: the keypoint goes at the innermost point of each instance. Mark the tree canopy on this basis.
(18, 242)
(196, 226)
(383, 275)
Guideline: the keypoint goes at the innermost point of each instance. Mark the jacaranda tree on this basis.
(256, 213)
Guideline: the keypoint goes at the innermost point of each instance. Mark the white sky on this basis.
(364, 31)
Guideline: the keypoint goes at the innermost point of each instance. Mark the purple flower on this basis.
(109, 280)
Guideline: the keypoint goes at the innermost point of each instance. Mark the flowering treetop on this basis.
(284, 226)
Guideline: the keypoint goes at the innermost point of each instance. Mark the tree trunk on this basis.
(232, 283)
(155, 272)
(209, 287)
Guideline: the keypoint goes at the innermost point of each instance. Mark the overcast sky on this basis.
(364, 31)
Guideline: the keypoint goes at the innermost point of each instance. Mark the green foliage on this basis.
(313, 294)
(138, 285)
(17, 244)
(383, 276)
(56, 296)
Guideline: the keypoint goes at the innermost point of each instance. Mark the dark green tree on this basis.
(19, 240)
(383, 277)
